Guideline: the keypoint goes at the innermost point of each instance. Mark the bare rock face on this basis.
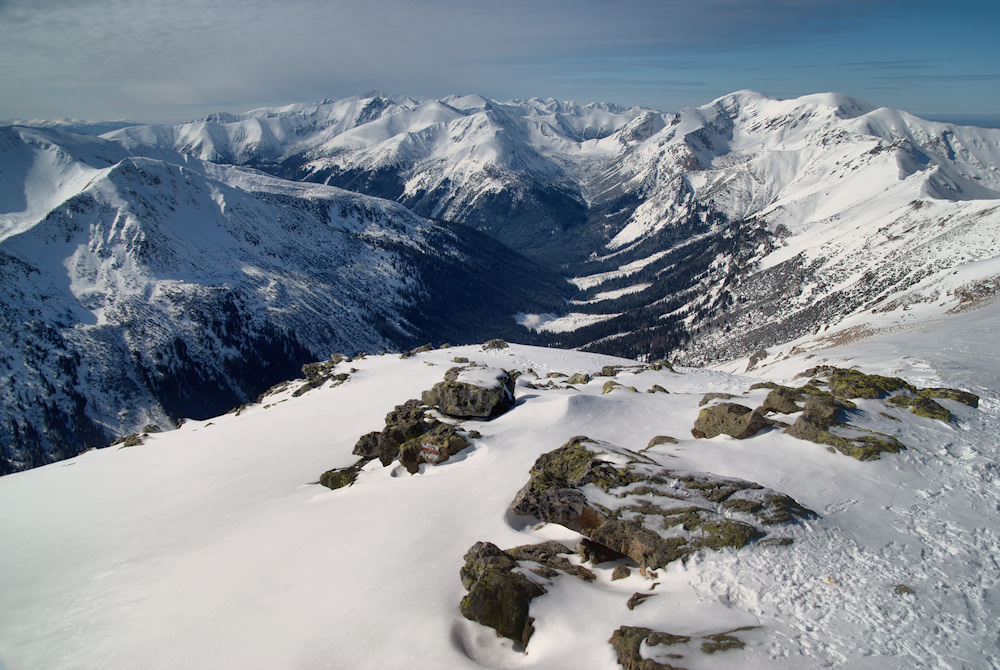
(658, 515)
(730, 418)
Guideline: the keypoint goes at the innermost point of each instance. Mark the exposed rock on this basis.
(404, 423)
(596, 553)
(367, 446)
(130, 440)
(709, 397)
(661, 363)
(659, 515)
(922, 407)
(627, 642)
(460, 359)
(734, 420)
(611, 385)
(621, 572)
(150, 428)
(417, 350)
(498, 597)
(661, 439)
(472, 393)
(850, 384)
(610, 370)
(656, 388)
(341, 477)
(821, 413)
(578, 378)
(495, 344)
(782, 400)
(434, 446)
(637, 599)
(964, 397)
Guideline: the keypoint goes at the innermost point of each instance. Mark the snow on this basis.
(551, 323)
(212, 545)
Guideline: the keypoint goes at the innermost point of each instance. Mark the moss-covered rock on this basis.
(495, 344)
(367, 446)
(611, 385)
(661, 439)
(434, 446)
(659, 515)
(782, 400)
(922, 406)
(845, 383)
(578, 378)
(656, 388)
(734, 420)
(341, 477)
(964, 397)
(821, 413)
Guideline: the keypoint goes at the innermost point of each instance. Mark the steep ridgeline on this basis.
(508, 169)
(706, 234)
(139, 290)
(751, 222)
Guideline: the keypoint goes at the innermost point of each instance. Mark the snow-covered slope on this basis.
(145, 288)
(748, 221)
(506, 168)
(213, 546)
(752, 221)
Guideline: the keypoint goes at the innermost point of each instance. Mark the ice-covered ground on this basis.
(213, 546)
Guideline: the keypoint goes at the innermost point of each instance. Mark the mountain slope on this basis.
(141, 290)
(705, 234)
(240, 558)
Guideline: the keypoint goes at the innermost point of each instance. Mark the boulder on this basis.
(497, 597)
(734, 420)
(472, 392)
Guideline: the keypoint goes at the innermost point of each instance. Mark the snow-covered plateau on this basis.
(213, 545)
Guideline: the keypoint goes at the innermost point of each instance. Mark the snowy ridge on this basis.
(896, 569)
(137, 288)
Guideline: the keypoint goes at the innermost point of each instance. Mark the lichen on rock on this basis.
(632, 505)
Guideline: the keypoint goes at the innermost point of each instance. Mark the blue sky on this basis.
(174, 60)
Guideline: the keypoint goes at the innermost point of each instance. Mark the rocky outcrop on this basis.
(658, 515)
(732, 419)
(414, 435)
(628, 643)
(472, 392)
(499, 590)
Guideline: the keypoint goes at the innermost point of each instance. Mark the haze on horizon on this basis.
(159, 61)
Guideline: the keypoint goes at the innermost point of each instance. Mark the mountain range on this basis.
(162, 272)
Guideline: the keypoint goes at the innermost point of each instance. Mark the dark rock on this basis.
(656, 388)
(964, 397)
(367, 446)
(627, 642)
(150, 428)
(782, 400)
(341, 477)
(734, 420)
(621, 572)
(637, 527)
(498, 597)
(434, 446)
(849, 384)
(596, 553)
(661, 439)
(495, 344)
(709, 397)
(466, 400)
(922, 406)
(637, 599)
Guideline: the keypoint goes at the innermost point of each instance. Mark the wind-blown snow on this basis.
(212, 545)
